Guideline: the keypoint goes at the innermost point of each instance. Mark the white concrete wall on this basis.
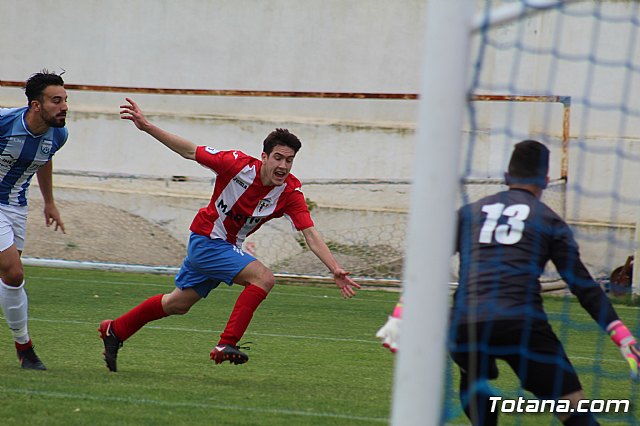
(333, 46)
(327, 45)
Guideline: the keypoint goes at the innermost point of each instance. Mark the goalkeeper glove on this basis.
(390, 331)
(627, 344)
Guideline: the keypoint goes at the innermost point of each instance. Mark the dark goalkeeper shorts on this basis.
(530, 347)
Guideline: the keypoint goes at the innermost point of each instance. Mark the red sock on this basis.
(23, 346)
(149, 310)
(245, 306)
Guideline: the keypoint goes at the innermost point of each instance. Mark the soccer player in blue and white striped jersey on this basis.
(29, 137)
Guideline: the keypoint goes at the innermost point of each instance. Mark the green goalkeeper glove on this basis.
(628, 346)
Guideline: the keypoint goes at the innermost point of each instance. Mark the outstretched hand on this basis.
(631, 354)
(133, 112)
(345, 283)
(389, 333)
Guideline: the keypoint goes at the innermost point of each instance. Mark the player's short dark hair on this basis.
(40, 81)
(529, 164)
(281, 137)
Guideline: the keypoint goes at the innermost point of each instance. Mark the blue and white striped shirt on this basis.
(22, 153)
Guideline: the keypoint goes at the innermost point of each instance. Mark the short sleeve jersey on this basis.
(505, 240)
(22, 153)
(240, 203)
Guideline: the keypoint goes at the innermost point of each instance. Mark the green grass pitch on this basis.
(314, 359)
(602, 371)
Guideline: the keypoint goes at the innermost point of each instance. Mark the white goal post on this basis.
(421, 361)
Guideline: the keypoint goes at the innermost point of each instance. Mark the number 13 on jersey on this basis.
(507, 233)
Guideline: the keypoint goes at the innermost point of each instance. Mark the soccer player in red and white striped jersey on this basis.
(248, 192)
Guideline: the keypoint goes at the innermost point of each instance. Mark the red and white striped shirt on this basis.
(240, 203)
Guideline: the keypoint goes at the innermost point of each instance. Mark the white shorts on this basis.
(13, 226)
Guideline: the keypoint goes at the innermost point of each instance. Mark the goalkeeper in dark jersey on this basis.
(504, 241)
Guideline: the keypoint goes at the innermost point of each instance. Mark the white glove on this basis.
(389, 333)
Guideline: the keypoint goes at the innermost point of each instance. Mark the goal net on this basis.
(141, 223)
(587, 52)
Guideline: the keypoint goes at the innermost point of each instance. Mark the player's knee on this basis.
(477, 405)
(179, 310)
(13, 276)
(577, 418)
(267, 281)
(175, 306)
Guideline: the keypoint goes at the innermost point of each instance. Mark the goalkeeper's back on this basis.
(505, 241)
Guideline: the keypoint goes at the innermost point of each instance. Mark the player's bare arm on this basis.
(319, 248)
(45, 182)
(180, 145)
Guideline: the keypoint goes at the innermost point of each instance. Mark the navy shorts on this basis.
(530, 347)
(210, 262)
